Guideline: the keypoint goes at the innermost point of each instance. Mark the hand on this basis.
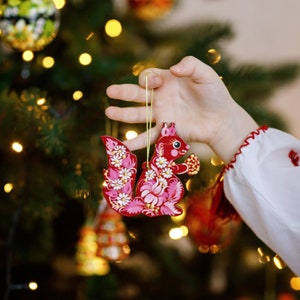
(191, 95)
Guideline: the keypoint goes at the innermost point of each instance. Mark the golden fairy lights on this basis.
(85, 59)
(8, 187)
(17, 147)
(32, 285)
(113, 28)
(177, 233)
(77, 95)
(295, 283)
(130, 134)
(265, 258)
(48, 62)
(27, 55)
(278, 262)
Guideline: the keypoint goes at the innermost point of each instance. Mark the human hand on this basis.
(191, 95)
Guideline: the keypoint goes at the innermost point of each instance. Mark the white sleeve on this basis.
(263, 184)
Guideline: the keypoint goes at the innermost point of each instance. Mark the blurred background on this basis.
(58, 238)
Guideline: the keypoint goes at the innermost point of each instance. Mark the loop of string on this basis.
(148, 119)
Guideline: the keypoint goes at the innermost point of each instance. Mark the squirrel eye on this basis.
(176, 144)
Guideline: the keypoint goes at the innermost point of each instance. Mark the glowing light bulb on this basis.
(8, 187)
(113, 28)
(130, 134)
(32, 285)
(175, 233)
(41, 101)
(77, 95)
(17, 147)
(48, 62)
(295, 283)
(27, 55)
(85, 59)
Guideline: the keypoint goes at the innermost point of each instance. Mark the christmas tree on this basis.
(52, 115)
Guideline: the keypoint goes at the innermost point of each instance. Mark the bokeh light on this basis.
(130, 134)
(27, 55)
(262, 257)
(32, 285)
(85, 59)
(8, 187)
(177, 233)
(77, 95)
(278, 262)
(295, 283)
(213, 56)
(41, 101)
(17, 147)
(113, 28)
(48, 62)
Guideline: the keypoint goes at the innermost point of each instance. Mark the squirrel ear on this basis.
(165, 130)
(172, 129)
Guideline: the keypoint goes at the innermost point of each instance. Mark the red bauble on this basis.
(149, 10)
(212, 221)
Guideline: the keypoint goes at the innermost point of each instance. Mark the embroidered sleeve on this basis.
(263, 184)
(251, 136)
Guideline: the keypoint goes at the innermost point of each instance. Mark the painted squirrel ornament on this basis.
(158, 190)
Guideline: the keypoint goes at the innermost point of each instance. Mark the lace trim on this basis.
(251, 136)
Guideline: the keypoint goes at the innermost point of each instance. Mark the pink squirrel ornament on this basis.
(158, 189)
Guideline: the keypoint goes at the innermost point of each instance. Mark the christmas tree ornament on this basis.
(149, 10)
(212, 221)
(87, 262)
(112, 239)
(158, 189)
(28, 24)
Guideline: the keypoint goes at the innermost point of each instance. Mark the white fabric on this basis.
(264, 187)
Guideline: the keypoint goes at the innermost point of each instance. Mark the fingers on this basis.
(192, 67)
(127, 114)
(127, 92)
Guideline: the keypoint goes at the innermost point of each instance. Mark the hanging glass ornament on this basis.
(212, 221)
(28, 24)
(87, 262)
(149, 10)
(112, 239)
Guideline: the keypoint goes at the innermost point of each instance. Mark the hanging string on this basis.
(148, 120)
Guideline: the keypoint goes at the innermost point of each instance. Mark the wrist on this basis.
(232, 134)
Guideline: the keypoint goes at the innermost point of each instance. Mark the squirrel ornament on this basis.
(158, 190)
